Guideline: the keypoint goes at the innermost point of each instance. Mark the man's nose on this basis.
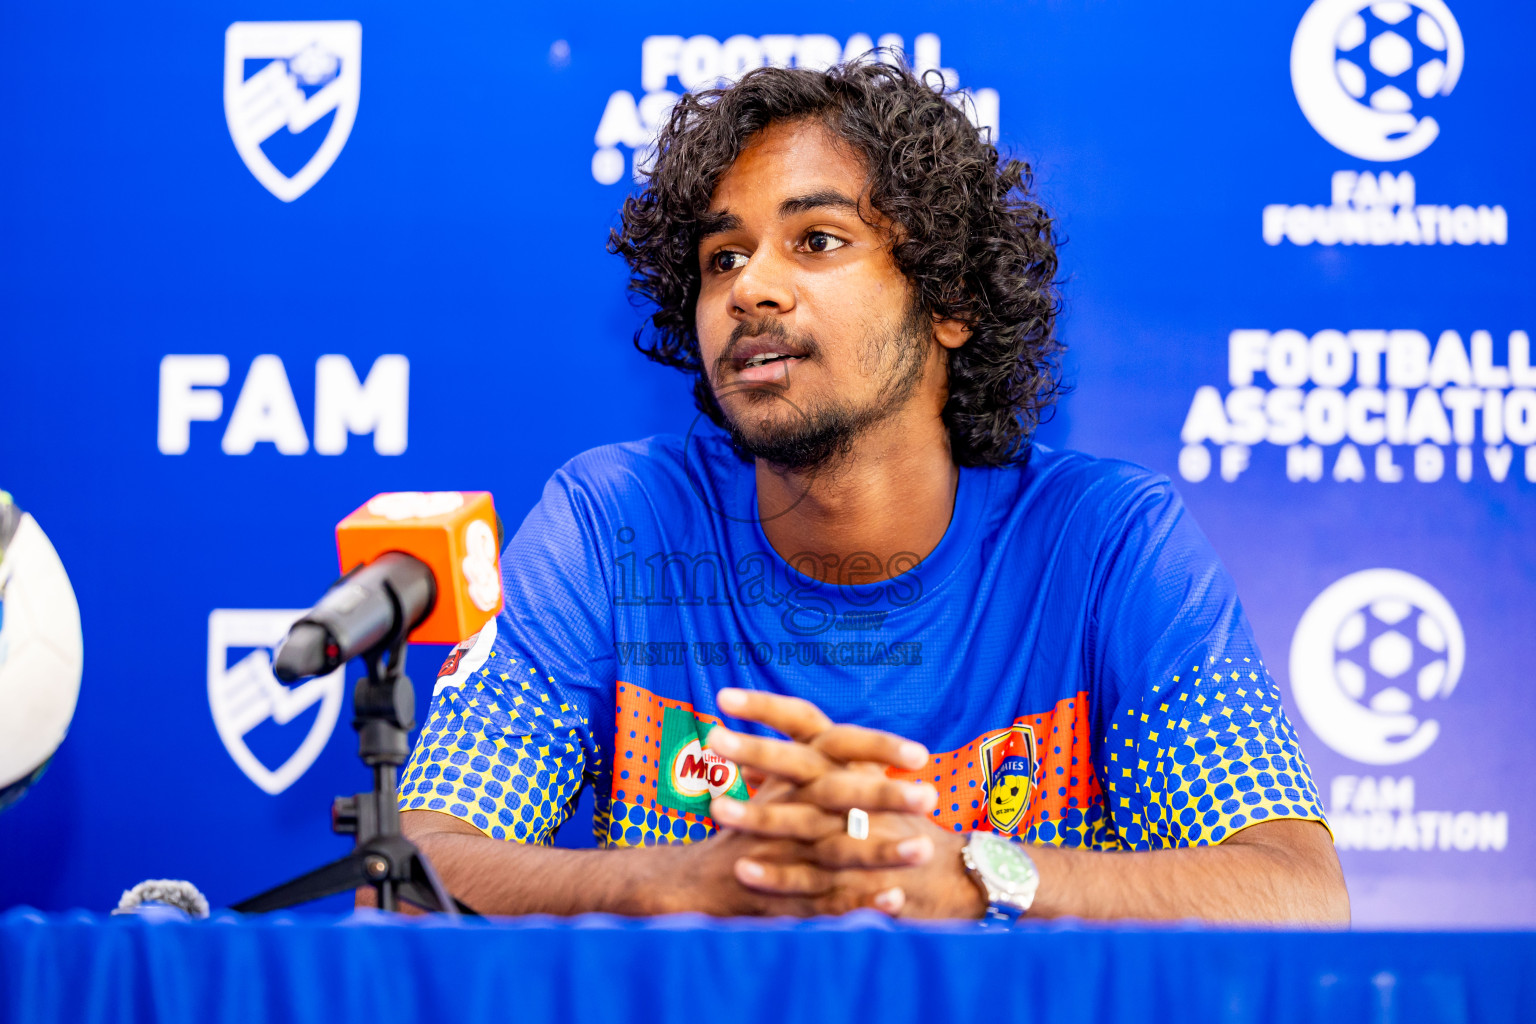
(764, 285)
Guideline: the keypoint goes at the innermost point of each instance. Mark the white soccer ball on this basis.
(40, 651)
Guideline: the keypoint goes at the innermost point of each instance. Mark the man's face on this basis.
(806, 326)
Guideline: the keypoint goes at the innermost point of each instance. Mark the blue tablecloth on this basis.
(77, 968)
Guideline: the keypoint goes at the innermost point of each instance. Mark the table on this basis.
(81, 968)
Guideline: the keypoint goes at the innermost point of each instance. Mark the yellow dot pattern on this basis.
(1203, 754)
(501, 751)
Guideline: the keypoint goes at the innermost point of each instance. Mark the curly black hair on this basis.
(972, 240)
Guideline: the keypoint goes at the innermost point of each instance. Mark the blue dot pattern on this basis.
(1201, 755)
(501, 750)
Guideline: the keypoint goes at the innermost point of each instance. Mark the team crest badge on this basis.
(290, 97)
(1008, 759)
(250, 704)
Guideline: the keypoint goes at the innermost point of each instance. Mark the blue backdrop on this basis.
(1296, 281)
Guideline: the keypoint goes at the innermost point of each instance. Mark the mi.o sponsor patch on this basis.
(690, 774)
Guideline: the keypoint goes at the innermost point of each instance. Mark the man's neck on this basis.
(872, 513)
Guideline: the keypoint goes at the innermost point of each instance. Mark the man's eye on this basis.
(727, 261)
(820, 241)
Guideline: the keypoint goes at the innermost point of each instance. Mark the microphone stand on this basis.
(383, 708)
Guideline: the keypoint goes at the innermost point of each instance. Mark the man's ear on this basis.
(951, 333)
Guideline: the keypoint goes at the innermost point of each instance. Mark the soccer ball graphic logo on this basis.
(1387, 653)
(1388, 51)
(1367, 652)
(1364, 73)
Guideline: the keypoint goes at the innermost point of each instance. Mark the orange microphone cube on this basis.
(454, 532)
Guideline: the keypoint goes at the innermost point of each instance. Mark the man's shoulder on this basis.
(1092, 488)
(662, 468)
(624, 460)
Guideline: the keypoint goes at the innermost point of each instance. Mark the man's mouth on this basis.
(766, 366)
(764, 357)
(767, 357)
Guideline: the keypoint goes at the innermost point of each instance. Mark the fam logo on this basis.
(704, 62)
(266, 411)
(291, 91)
(691, 776)
(1362, 72)
(1008, 764)
(261, 721)
(1368, 652)
(1366, 76)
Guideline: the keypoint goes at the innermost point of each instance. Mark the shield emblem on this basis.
(243, 695)
(290, 97)
(1008, 759)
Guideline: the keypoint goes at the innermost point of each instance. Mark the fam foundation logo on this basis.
(1373, 654)
(672, 65)
(1368, 77)
(1370, 652)
(1366, 208)
(1388, 405)
(262, 722)
(291, 92)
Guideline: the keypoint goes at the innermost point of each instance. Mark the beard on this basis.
(826, 430)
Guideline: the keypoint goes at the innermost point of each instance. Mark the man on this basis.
(1009, 680)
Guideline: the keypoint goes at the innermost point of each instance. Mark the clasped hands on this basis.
(788, 848)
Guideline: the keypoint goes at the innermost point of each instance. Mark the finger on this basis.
(793, 879)
(891, 900)
(842, 790)
(780, 820)
(776, 851)
(849, 743)
(797, 762)
(798, 719)
(772, 790)
(844, 851)
(859, 894)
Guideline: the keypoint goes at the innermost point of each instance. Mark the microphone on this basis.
(420, 565)
(164, 897)
(364, 609)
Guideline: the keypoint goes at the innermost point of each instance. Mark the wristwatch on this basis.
(1005, 873)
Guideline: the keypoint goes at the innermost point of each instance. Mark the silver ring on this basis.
(858, 823)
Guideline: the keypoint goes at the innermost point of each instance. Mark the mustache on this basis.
(751, 330)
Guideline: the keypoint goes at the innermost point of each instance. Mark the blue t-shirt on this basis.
(1072, 652)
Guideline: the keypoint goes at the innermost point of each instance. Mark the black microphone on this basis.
(385, 598)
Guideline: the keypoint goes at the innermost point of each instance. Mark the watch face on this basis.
(1004, 863)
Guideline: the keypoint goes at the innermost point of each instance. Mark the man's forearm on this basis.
(1250, 877)
(496, 877)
